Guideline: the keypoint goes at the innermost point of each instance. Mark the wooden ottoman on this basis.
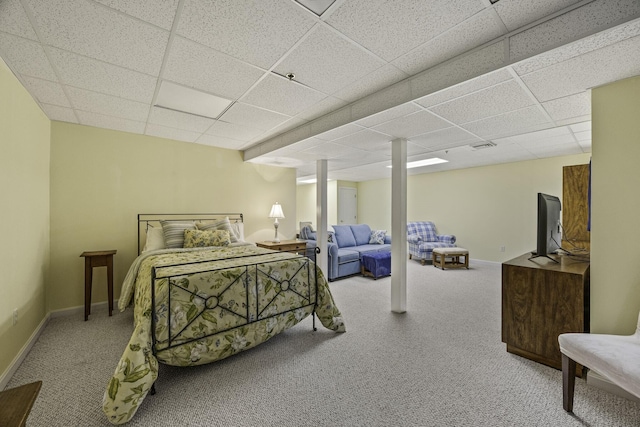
(450, 258)
(375, 264)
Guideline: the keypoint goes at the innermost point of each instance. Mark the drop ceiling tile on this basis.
(61, 114)
(480, 28)
(577, 48)
(339, 132)
(304, 144)
(498, 99)
(110, 122)
(46, 92)
(279, 94)
(572, 120)
(179, 120)
(512, 123)
(557, 150)
(412, 125)
(327, 62)
(465, 88)
(256, 31)
(459, 70)
(390, 97)
(233, 131)
(580, 127)
(98, 76)
(390, 114)
(381, 78)
(570, 26)
(534, 137)
(444, 137)
(156, 12)
(14, 20)
(569, 106)
(101, 33)
(321, 108)
(516, 14)
(205, 69)
(585, 145)
(248, 115)
(416, 150)
(99, 103)
(26, 57)
(390, 30)
(171, 133)
(544, 143)
(220, 142)
(366, 140)
(596, 68)
(583, 135)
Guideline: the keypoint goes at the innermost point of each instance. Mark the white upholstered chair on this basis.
(615, 357)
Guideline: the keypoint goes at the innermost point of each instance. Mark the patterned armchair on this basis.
(423, 238)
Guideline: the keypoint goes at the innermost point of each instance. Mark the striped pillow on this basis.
(223, 224)
(174, 232)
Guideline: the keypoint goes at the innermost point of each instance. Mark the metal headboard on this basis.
(153, 220)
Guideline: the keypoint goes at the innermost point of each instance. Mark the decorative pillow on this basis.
(155, 239)
(223, 224)
(377, 237)
(201, 239)
(173, 232)
(331, 237)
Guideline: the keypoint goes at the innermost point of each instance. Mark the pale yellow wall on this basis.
(101, 179)
(485, 207)
(24, 192)
(615, 237)
(307, 202)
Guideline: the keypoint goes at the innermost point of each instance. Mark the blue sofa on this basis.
(346, 245)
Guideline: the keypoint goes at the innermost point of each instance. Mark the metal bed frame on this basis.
(253, 269)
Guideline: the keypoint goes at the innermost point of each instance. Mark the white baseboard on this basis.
(79, 310)
(17, 361)
(598, 381)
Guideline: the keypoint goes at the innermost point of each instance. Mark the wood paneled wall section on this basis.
(575, 207)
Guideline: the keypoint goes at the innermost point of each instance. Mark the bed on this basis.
(197, 305)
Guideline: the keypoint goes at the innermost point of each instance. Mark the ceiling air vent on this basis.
(483, 145)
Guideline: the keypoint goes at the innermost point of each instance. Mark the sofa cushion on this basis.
(347, 255)
(344, 236)
(362, 233)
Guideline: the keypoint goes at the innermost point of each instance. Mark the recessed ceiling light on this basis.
(316, 6)
(192, 101)
(425, 162)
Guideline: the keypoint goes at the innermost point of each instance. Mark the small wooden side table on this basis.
(16, 403)
(284, 245)
(97, 259)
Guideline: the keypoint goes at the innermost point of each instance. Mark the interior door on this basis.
(347, 205)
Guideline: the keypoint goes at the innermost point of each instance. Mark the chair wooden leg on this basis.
(568, 382)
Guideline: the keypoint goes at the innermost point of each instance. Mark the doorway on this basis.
(347, 205)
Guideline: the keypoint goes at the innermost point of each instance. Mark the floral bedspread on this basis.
(211, 303)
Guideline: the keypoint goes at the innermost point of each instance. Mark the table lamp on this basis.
(276, 212)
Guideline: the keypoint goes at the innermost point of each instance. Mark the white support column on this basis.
(321, 220)
(399, 225)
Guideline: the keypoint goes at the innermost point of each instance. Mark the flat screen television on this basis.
(548, 234)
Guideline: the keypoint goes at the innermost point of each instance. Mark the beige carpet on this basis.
(440, 364)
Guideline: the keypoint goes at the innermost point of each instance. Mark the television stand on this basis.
(535, 255)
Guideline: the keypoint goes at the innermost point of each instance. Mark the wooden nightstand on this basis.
(285, 245)
(97, 259)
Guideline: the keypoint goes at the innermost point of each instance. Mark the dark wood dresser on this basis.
(540, 300)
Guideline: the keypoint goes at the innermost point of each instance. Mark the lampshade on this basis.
(276, 211)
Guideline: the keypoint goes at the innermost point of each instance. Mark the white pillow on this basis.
(155, 239)
(238, 230)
